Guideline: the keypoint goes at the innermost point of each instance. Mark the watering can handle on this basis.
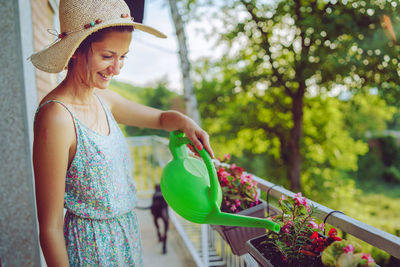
(177, 141)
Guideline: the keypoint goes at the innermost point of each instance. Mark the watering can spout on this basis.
(228, 219)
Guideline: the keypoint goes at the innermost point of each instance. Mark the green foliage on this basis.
(382, 161)
(391, 175)
(335, 256)
(366, 113)
(389, 150)
(370, 167)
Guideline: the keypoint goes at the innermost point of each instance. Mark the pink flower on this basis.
(233, 207)
(298, 198)
(313, 224)
(227, 157)
(288, 225)
(285, 229)
(321, 226)
(222, 173)
(283, 197)
(237, 202)
(367, 257)
(349, 249)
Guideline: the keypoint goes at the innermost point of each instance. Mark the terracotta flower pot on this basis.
(236, 237)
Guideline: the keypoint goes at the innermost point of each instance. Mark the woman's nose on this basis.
(116, 67)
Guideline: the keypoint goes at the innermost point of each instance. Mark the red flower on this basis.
(332, 232)
(336, 238)
(314, 235)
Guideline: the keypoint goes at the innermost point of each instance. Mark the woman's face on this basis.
(105, 58)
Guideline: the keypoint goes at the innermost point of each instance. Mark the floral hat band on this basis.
(79, 19)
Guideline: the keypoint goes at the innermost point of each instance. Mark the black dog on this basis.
(159, 209)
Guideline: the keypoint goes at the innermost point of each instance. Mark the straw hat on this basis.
(78, 19)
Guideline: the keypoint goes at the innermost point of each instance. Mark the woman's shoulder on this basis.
(54, 116)
(52, 107)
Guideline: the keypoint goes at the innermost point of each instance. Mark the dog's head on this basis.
(157, 188)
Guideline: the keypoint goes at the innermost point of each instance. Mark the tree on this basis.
(190, 97)
(285, 53)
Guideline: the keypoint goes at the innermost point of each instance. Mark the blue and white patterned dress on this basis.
(100, 226)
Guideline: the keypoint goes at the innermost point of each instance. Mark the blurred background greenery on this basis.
(305, 96)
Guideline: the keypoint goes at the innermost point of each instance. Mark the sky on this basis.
(151, 59)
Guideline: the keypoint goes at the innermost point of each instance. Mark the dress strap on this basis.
(110, 117)
(56, 101)
(105, 107)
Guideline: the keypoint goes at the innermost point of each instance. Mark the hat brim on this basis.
(55, 58)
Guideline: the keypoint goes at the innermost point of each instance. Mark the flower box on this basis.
(235, 236)
(302, 242)
(266, 256)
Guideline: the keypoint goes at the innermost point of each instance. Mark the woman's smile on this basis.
(105, 77)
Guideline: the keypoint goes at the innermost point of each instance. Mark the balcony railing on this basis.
(150, 154)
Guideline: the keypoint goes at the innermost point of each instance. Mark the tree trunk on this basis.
(190, 98)
(294, 140)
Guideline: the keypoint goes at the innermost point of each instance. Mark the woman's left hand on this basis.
(173, 120)
(199, 138)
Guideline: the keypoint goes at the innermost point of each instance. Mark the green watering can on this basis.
(191, 188)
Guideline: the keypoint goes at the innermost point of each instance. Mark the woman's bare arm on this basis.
(134, 114)
(54, 136)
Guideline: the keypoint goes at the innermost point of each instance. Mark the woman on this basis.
(80, 157)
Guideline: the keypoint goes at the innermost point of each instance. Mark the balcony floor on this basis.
(177, 253)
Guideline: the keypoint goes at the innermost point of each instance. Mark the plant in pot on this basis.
(300, 240)
(345, 253)
(239, 195)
